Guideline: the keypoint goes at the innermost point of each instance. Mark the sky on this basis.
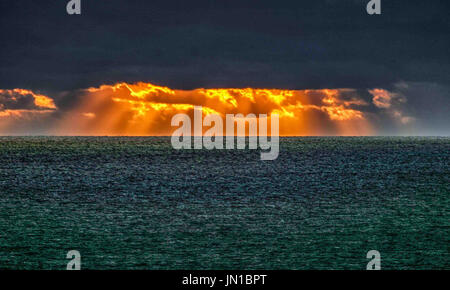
(126, 67)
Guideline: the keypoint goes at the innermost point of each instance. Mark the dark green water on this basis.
(135, 203)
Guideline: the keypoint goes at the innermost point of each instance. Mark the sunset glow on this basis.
(146, 109)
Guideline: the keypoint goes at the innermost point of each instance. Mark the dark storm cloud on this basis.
(189, 44)
(395, 65)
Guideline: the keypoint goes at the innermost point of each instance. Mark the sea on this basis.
(137, 203)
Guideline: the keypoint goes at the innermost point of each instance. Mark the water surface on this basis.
(135, 203)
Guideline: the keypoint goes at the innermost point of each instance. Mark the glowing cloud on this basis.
(147, 109)
(381, 98)
(19, 97)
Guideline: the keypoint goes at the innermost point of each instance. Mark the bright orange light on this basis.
(147, 109)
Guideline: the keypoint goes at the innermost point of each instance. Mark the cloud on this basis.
(146, 109)
(392, 102)
(381, 98)
(298, 45)
(24, 112)
(19, 99)
(428, 103)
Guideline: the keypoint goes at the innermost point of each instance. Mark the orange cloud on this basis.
(147, 109)
(40, 101)
(21, 109)
(381, 98)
